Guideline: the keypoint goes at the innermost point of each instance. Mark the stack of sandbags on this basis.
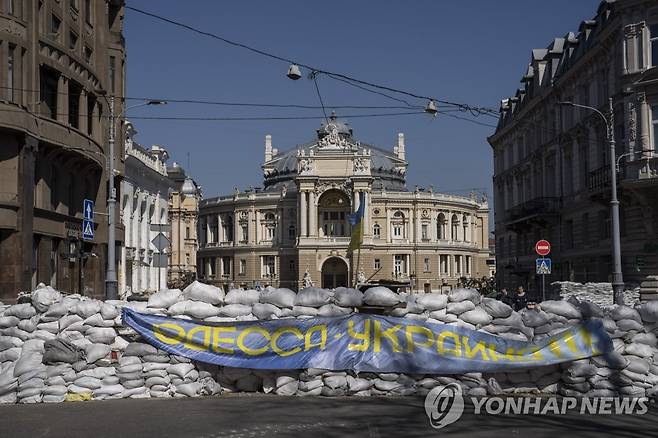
(241, 379)
(30, 372)
(159, 302)
(310, 300)
(381, 296)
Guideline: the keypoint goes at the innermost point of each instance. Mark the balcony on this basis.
(535, 211)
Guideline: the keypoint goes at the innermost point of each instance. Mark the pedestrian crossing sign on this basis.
(543, 266)
(87, 230)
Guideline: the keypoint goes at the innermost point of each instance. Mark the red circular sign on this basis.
(543, 247)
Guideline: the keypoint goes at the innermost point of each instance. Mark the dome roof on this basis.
(327, 127)
(189, 188)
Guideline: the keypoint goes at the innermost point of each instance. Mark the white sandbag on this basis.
(16, 332)
(21, 311)
(7, 342)
(101, 335)
(10, 355)
(265, 311)
(459, 307)
(313, 297)
(645, 338)
(288, 389)
(381, 296)
(54, 390)
(100, 373)
(534, 317)
(335, 382)
(205, 293)
(58, 309)
(496, 308)
(460, 294)
(8, 321)
(624, 312)
(189, 389)
(234, 310)
(238, 296)
(139, 349)
(29, 361)
(45, 297)
(432, 301)
(108, 390)
(649, 311)
(304, 311)
(180, 369)
(94, 352)
(332, 310)
(165, 298)
(96, 320)
(119, 344)
(109, 311)
(478, 316)
(88, 382)
(68, 320)
(86, 308)
(562, 308)
(280, 297)
(640, 350)
(348, 297)
(29, 325)
(52, 327)
(197, 309)
(627, 325)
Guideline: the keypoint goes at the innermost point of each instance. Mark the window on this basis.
(88, 11)
(243, 267)
(292, 232)
(112, 68)
(653, 43)
(10, 73)
(49, 79)
(465, 226)
(187, 232)
(423, 232)
(75, 90)
(377, 231)
(397, 230)
(88, 54)
(292, 266)
(268, 266)
(226, 266)
(458, 264)
(654, 125)
(426, 264)
(378, 264)
(73, 41)
(9, 7)
(55, 25)
(467, 264)
(441, 224)
(443, 264)
(454, 227)
(187, 258)
(400, 265)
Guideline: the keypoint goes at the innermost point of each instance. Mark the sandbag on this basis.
(478, 316)
(86, 308)
(44, 297)
(101, 335)
(109, 311)
(165, 298)
(247, 297)
(461, 294)
(139, 349)
(265, 311)
(281, 297)
(348, 297)
(649, 311)
(432, 301)
(304, 311)
(381, 296)
(21, 311)
(205, 293)
(234, 310)
(331, 310)
(459, 307)
(312, 297)
(561, 308)
(624, 312)
(8, 321)
(496, 308)
(60, 350)
(197, 309)
(534, 317)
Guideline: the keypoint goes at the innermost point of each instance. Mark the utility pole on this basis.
(111, 292)
(617, 276)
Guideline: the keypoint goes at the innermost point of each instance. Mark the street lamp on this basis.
(617, 276)
(111, 283)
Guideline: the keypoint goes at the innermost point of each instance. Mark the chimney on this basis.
(400, 148)
(268, 148)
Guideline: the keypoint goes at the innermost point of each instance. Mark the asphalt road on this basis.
(250, 416)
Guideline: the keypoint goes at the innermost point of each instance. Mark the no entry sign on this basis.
(543, 247)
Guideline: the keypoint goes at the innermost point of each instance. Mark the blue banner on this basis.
(362, 342)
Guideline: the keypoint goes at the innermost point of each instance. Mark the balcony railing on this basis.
(534, 207)
(598, 179)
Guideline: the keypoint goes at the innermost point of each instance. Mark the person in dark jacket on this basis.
(521, 299)
(505, 297)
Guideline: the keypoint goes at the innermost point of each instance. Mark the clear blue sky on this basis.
(466, 51)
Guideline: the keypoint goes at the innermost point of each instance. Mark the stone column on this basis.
(303, 211)
(388, 225)
(236, 227)
(313, 214)
(367, 231)
(357, 199)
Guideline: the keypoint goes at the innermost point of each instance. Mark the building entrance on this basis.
(334, 273)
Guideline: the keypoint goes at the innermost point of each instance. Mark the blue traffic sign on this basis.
(88, 209)
(543, 266)
(87, 230)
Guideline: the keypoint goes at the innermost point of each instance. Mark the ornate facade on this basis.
(552, 171)
(58, 59)
(144, 215)
(295, 230)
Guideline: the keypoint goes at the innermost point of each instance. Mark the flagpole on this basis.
(356, 272)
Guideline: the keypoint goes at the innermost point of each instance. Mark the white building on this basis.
(144, 192)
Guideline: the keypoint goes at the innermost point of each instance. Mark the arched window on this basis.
(465, 226)
(333, 210)
(454, 227)
(441, 227)
(397, 225)
(269, 226)
(292, 232)
(376, 231)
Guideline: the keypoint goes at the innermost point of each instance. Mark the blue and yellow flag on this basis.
(356, 221)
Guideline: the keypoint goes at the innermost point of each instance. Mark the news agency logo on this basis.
(444, 405)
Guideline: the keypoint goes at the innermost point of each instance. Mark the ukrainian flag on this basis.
(356, 221)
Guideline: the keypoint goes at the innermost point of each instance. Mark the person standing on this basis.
(521, 299)
(505, 297)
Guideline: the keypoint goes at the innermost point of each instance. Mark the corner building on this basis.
(298, 223)
(58, 59)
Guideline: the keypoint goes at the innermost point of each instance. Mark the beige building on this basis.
(183, 216)
(295, 230)
(56, 56)
(552, 167)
